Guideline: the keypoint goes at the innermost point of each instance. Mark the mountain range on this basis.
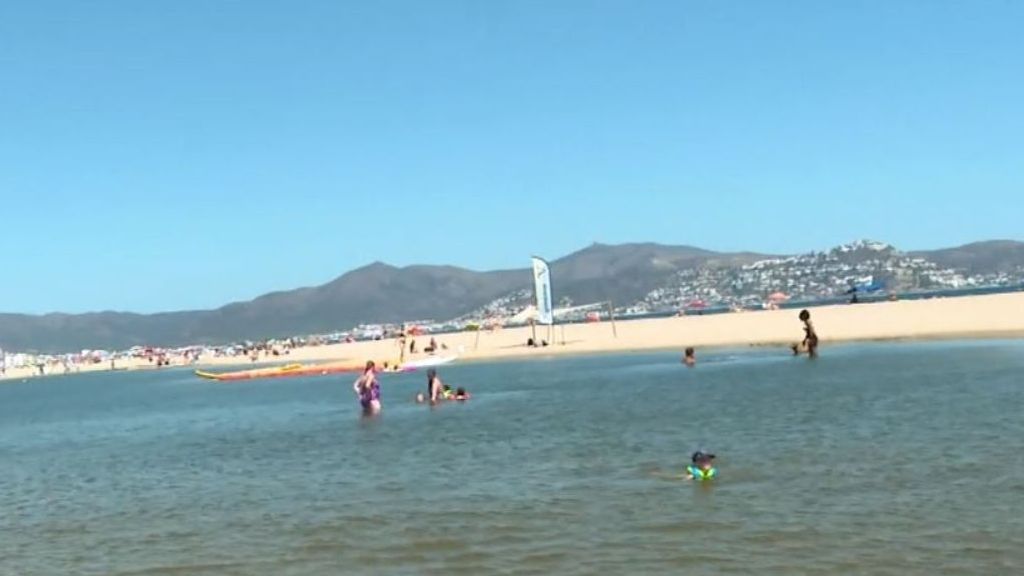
(380, 293)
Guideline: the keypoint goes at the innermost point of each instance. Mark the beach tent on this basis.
(870, 287)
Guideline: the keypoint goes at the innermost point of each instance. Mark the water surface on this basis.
(875, 459)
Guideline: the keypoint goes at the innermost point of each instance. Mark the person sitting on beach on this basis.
(700, 467)
(689, 358)
(435, 388)
(368, 389)
(432, 347)
(461, 395)
(810, 341)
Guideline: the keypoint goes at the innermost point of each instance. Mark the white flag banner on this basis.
(542, 285)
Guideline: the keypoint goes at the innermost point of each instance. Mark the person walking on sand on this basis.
(810, 341)
(367, 388)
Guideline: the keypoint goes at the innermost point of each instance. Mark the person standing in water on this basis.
(689, 357)
(434, 386)
(368, 389)
(810, 341)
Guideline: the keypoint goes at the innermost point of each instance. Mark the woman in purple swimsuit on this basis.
(368, 389)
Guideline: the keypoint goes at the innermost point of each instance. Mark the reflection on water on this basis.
(899, 459)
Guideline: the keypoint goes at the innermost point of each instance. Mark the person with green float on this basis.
(700, 468)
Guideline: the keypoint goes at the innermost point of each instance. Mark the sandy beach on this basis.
(990, 316)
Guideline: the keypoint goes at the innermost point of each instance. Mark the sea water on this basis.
(873, 459)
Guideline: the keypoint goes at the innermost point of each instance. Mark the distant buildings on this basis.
(815, 276)
(805, 277)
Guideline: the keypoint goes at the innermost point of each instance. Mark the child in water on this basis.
(810, 341)
(689, 358)
(461, 395)
(700, 467)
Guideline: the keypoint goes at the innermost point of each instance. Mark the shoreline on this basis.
(982, 317)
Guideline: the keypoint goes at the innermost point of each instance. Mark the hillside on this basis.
(993, 256)
(379, 293)
(626, 272)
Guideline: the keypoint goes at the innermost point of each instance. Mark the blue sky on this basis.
(170, 155)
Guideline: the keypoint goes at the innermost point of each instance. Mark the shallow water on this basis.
(874, 459)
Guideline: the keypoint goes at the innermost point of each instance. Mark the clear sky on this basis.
(184, 154)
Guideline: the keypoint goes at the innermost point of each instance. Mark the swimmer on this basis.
(689, 358)
(461, 395)
(700, 467)
(447, 392)
(368, 389)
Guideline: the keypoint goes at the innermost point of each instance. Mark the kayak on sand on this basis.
(324, 369)
(288, 370)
